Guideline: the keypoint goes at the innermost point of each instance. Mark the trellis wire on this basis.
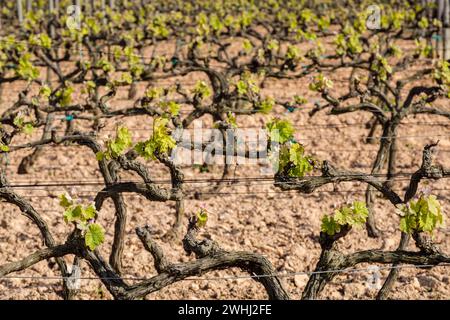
(20, 184)
(252, 193)
(238, 277)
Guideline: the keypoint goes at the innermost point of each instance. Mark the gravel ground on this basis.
(282, 226)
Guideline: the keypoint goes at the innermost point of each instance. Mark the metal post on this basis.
(20, 12)
(446, 30)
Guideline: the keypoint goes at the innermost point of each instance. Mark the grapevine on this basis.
(147, 101)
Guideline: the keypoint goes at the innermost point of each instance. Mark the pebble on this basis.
(300, 280)
(299, 251)
(194, 286)
(416, 283)
(427, 281)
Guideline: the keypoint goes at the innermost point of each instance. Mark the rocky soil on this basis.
(246, 216)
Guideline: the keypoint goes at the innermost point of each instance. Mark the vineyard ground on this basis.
(282, 226)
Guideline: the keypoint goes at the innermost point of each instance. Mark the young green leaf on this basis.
(280, 130)
(202, 218)
(95, 235)
(421, 215)
(65, 200)
(353, 216)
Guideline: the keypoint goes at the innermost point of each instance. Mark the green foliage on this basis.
(381, 67)
(126, 78)
(154, 93)
(94, 236)
(293, 53)
(247, 85)
(170, 106)
(241, 87)
(353, 216)
(266, 105)
(89, 87)
(202, 90)
(19, 122)
(273, 45)
(42, 40)
(442, 75)
(293, 161)
(329, 225)
(158, 27)
(320, 83)
(64, 96)
(65, 201)
(117, 146)
(202, 218)
(83, 218)
(45, 91)
(25, 69)
(421, 215)
(423, 23)
(324, 23)
(28, 128)
(3, 147)
(300, 100)
(105, 65)
(247, 45)
(231, 120)
(280, 130)
(159, 143)
(423, 48)
(348, 44)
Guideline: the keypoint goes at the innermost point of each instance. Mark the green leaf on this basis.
(45, 41)
(421, 215)
(117, 146)
(100, 156)
(172, 107)
(4, 147)
(247, 45)
(320, 83)
(329, 225)
(89, 212)
(360, 212)
(231, 119)
(160, 142)
(64, 96)
(280, 130)
(202, 89)
(154, 93)
(266, 105)
(202, 218)
(65, 200)
(25, 69)
(28, 128)
(18, 121)
(273, 45)
(300, 100)
(45, 91)
(127, 78)
(301, 164)
(423, 23)
(73, 214)
(241, 87)
(354, 215)
(95, 235)
(105, 65)
(293, 52)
